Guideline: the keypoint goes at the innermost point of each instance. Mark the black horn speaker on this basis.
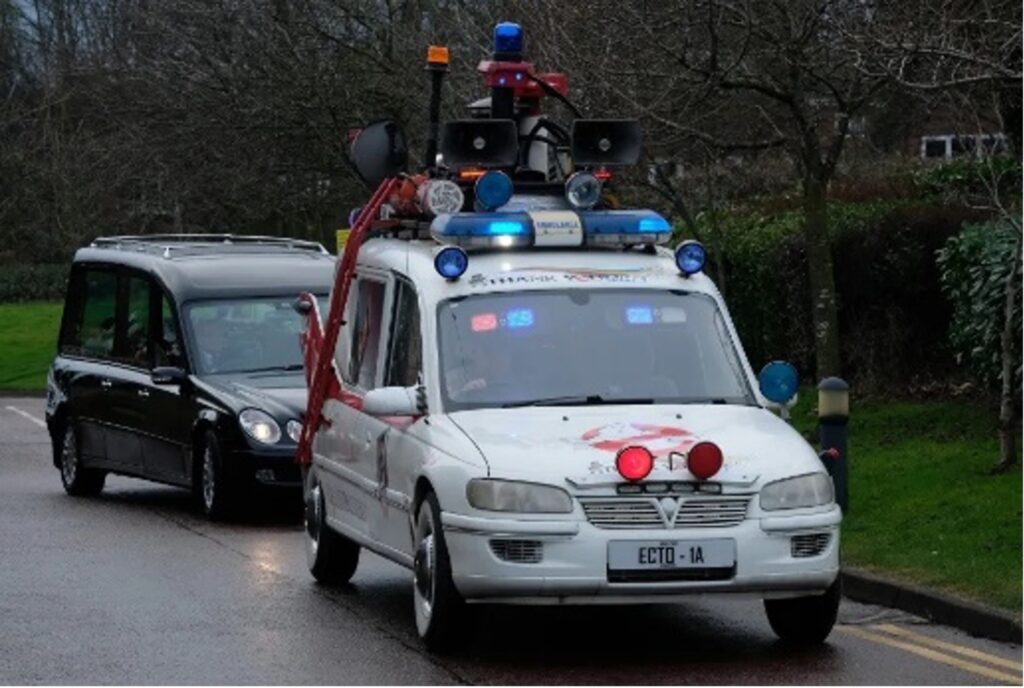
(380, 151)
(480, 143)
(606, 142)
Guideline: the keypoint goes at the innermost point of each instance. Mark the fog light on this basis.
(266, 475)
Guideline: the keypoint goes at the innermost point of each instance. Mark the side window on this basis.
(95, 334)
(167, 343)
(135, 348)
(405, 360)
(366, 324)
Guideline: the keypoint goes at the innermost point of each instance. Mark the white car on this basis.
(562, 426)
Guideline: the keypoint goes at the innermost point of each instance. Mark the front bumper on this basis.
(272, 467)
(573, 566)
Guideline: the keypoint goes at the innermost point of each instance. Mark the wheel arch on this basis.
(55, 426)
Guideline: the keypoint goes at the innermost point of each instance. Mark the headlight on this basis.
(294, 430)
(260, 426)
(813, 489)
(504, 495)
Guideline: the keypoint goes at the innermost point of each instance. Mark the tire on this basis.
(805, 620)
(439, 608)
(214, 490)
(332, 558)
(78, 481)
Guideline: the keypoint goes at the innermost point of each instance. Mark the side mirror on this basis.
(168, 375)
(380, 151)
(779, 383)
(392, 401)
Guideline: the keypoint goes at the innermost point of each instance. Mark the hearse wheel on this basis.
(212, 486)
(78, 480)
(805, 620)
(438, 605)
(332, 558)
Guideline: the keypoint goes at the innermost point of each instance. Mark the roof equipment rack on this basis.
(178, 245)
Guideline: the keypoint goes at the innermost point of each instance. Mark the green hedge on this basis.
(40, 282)
(893, 315)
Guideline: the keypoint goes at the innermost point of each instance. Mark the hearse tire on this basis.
(78, 481)
(439, 608)
(805, 620)
(332, 557)
(216, 493)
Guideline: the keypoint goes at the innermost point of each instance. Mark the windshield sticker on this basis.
(660, 440)
(548, 275)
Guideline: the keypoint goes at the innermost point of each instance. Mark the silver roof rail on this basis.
(174, 245)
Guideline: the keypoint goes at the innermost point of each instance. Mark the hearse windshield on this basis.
(585, 347)
(248, 335)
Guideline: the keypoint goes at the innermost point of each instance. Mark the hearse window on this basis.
(168, 344)
(406, 353)
(365, 344)
(94, 335)
(135, 350)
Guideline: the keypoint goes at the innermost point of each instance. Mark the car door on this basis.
(350, 479)
(128, 374)
(87, 344)
(166, 440)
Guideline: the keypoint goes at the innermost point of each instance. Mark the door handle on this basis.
(106, 384)
(143, 392)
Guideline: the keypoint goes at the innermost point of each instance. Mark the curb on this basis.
(972, 617)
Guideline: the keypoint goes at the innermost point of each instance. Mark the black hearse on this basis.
(179, 361)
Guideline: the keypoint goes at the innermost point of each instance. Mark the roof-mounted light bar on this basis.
(517, 230)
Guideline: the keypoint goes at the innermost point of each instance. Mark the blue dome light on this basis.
(508, 39)
(450, 262)
(779, 382)
(690, 257)
(493, 190)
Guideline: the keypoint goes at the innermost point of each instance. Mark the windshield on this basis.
(581, 347)
(248, 335)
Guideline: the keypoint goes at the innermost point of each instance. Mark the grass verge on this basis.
(922, 504)
(28, 342)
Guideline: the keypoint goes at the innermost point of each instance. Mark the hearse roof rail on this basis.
(180, 245)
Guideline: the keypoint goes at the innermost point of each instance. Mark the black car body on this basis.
(179, 361)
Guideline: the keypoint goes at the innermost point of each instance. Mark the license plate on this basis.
(671, 554)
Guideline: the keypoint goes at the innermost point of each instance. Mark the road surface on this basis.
(134, 586)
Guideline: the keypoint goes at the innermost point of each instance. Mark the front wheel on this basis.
(805, 620)
(332, 557)
(78, 480)
(439, 607)
(217, 496)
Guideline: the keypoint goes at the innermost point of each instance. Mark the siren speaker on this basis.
(480, 143)
(380, 151)
(606, 142)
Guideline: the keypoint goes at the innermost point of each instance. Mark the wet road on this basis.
(135, 587)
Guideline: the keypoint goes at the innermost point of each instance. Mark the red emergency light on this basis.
(634, 463)
(704, 460)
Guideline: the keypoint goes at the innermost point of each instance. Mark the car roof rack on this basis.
(179, 245)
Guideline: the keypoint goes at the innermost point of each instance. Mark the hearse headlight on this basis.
(294, 430)
(260, 426)
(813, 489)
(506, 495)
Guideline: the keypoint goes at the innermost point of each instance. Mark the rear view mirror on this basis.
(606, 142)
(392, 401)
(380, 151)
(168, 375)
(480, 143)
(779, 383)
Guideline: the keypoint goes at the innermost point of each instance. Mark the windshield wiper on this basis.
(577, 400)
(278, 368)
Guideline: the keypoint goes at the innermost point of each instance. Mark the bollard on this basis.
(833, 415)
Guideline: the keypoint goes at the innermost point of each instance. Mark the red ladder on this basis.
(318, 344)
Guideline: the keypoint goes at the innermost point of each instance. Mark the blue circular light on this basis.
(493, 190)
(450, 262)
(778, 381)
(690, 257)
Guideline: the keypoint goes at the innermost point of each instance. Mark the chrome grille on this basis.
(518, 551)
(810, 545)
(648, 512)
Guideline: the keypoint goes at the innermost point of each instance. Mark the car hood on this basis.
(578, 445)
(282, 396)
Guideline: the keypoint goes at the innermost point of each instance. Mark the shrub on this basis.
(40, 282)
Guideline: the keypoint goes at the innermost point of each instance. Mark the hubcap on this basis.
(69, 458)
(209, 478)
(425, 570)
(312, 517)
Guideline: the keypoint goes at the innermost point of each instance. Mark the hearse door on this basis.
(350, 479)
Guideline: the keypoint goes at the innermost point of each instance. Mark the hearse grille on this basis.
(650, 512)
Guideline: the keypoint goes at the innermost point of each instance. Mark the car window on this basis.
(135, 349)
(94, 335)
(406, 355)
(168, 343)
(364, 345)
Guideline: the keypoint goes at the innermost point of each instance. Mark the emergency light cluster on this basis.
(634, 463)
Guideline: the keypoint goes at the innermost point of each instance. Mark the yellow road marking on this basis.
(951, 647)
(979, 669)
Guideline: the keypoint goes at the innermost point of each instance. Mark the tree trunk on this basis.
(822, 280)
(1007, 398)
